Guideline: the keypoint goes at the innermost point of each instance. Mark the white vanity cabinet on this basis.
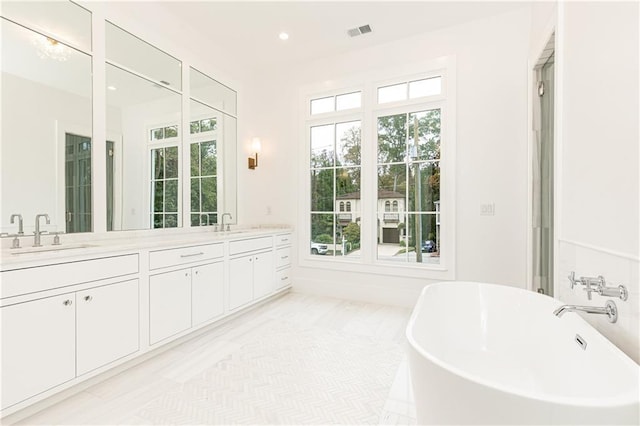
(182, 299)
(38, 347)
(106, 324)
(49, 341)
(283, 260)
(207, 292)
(179, 300)
(251, 270)
(169, 304)
(67, 319)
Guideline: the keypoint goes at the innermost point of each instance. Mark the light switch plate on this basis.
(487, 209)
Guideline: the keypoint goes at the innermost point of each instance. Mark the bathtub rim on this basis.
(626, 399)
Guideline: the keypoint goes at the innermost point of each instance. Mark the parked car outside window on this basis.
(318, 248)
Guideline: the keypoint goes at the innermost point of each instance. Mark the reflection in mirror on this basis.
(144, 137)
(212, 149)
(65, 20)
(137, 55)
(212, 93)
(45, 152)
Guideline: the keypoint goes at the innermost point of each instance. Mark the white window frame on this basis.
(321, 119)
(162, 143)
(368, 82)
(207, 136)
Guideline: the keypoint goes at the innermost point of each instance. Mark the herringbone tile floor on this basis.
(297, 360)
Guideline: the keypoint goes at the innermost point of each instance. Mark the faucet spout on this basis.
(20, 226)
(609, 309)
(37, 233)
(222, 225)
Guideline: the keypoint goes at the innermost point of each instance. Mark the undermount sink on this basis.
(45, 249)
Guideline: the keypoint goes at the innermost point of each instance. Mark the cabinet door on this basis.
(240, 281)
(169, 304)
(106, 324)
(207, 292)
(38, 347)
(263, 272)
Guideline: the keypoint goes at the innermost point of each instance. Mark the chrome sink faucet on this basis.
(20, 226)
(609, 309)
(222, 226)
(37, 233)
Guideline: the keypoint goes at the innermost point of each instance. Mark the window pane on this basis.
(427, 146)
(195, 159)
(207, 124)
(171, 165)
(392, 178)
(171, 132)
(158, 196)
(424, 186)
(348, 183)
(348, 101)
(322, 234)
(171, 221)
(157, 158)
(397, 92)
(322, 190)
(427, 87)
(157, 134)
(171, 196)
(319, 106)
(209, 194)
(423, 239)
(322, 146)
(195, 195)
(392, 136)
(195, 219)
(195, 127)
(208, 158)
(158, 221)
(348, 143)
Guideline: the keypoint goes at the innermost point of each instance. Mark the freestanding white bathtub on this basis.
(491, 354)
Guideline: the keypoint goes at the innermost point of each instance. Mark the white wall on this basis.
(491, 56)
(598, 193)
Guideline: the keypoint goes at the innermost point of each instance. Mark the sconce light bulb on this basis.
(283, 36)
(256, 145)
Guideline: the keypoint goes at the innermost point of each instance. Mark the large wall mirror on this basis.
(212, 148)
(165, 167)
(143, 145)
(146, 144)
(46, 135)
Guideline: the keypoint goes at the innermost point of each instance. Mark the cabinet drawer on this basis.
(283, 257)
(179, 256)
(243, 246)
(283, 278)
(283, 239)
(40, 278)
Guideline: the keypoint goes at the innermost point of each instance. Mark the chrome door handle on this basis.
(67, 302)
(88, 298)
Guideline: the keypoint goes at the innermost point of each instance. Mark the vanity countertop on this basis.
(77, 249)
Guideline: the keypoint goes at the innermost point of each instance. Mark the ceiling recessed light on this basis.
(283, 36)
(111, 87)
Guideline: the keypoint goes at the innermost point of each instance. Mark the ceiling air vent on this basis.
(353, 32)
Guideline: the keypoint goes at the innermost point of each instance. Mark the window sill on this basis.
(430, 272)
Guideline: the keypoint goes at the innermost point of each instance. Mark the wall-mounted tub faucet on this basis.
(609, 309)
(37, 233)
(599, 285)
(20, 227)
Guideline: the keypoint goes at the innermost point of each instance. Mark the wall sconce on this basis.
(255, 147)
